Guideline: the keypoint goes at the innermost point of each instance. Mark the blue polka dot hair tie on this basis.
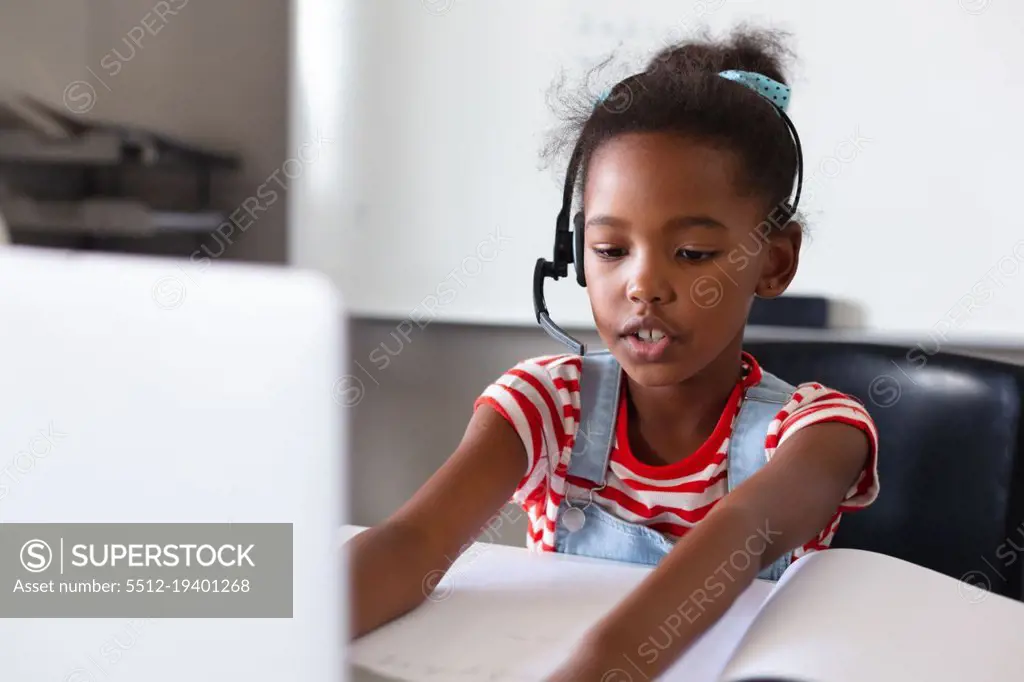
(771, 90)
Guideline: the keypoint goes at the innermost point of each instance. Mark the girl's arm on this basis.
(780, 507)
(393, 565)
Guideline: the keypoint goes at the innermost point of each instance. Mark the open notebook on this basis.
(506, 615)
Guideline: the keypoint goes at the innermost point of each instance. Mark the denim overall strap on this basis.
(760, 405)
(584, 528)
(600, 382)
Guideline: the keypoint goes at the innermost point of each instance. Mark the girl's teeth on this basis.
(650, 335)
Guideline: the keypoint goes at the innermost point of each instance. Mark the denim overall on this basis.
(587, 529)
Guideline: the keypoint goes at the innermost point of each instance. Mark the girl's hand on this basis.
(780, 507)
(390, 564)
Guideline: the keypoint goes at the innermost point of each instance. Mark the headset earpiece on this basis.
(578, 248)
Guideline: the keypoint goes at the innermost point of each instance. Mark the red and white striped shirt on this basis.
(540, 398)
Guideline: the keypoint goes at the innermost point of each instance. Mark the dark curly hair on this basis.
(680, 92)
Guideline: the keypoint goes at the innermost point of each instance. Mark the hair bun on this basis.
(682, 93)
(746, 49)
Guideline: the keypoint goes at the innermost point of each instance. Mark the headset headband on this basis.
(569, 244)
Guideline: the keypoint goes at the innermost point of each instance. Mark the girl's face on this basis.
(674, 255)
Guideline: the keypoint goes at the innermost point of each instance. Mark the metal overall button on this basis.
(573, 518)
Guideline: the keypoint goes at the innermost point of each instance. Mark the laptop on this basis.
(144, 390)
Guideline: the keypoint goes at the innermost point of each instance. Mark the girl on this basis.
(674, 448)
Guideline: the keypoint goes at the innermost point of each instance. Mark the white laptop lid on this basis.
(133, 390)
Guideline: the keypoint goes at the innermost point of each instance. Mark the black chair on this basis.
(951, 468)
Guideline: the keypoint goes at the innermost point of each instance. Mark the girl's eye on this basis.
(610, 252)
(692, 255)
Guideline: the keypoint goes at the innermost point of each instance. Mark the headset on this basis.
(569, 243)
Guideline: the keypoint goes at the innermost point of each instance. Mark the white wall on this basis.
(40, 41)
(213, 73)
(908, 112)
(326, 39)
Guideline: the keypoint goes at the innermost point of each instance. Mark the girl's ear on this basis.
(780, 263)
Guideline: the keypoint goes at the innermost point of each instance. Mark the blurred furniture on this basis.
(791, 310)
(69, 176)
(5, 236)
(950, 454)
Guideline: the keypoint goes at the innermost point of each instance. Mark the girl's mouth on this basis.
(649, 335)
(648, 345)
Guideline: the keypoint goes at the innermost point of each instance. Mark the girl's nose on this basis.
(650, 284)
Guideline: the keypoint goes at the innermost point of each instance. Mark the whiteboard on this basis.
(908, 111)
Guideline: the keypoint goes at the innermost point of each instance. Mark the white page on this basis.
(510, 615)
(847, 616)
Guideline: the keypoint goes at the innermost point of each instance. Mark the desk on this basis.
(511, 612)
